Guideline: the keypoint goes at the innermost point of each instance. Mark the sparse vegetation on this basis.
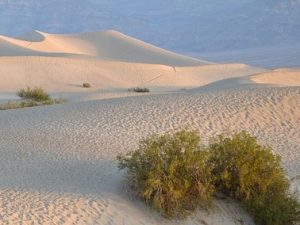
(36, 94)
(17, 105)
(31, 97)
(139, 90)
(252, 174)
(86, 85)
(175, 174)
(170, 173)
(29, 103)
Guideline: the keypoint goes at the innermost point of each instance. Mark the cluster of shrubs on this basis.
(139, 90)
(31, 97)
(175, 174)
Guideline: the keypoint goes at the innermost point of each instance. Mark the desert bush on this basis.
(139, 90)
(274, 208)
(175, 174)
(86, 85)
(252, 174)
(31, 97)
(36, 94)
(171, 173)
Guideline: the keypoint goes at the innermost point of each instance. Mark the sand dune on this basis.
(287, 77)
(279, 77)
(113, 62)
(105, 45)
(58, 163)
(65, 75)
(13, 48)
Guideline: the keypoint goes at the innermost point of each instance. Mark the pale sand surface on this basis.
(288, 77)
(64, 76)
(105, 45)
(58, 162)
(279, 78)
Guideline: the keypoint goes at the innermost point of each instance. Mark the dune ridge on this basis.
(288, 77)
(105, 45)
(114, 62)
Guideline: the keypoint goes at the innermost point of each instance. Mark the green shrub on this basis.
(36, 94)
(171, 173)
(31, 97)
(139, 90)
(86, 85)
(175, 174)
(252, 174)
(274, 208)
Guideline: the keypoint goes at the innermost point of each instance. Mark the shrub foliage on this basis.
(252, 174)
(37, 94)
(170, 172)
(86, 85)
(243, 168)
(31, 97)
(175, 174)
(139, 89)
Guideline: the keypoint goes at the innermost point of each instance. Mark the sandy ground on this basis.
(58, 162)
(66, 75)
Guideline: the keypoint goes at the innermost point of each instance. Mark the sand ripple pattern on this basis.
(57, 163)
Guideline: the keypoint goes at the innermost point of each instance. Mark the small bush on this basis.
(170, 173)
(274, 209)
(31, 97)
(252, 174)
(36, 94)
(175, 174)
(86, 85)
(139, 90)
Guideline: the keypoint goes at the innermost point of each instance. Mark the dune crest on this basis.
(287, 77)
(112, 60)
(105, 45)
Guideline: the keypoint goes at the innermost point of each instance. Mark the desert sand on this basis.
(58, 162)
